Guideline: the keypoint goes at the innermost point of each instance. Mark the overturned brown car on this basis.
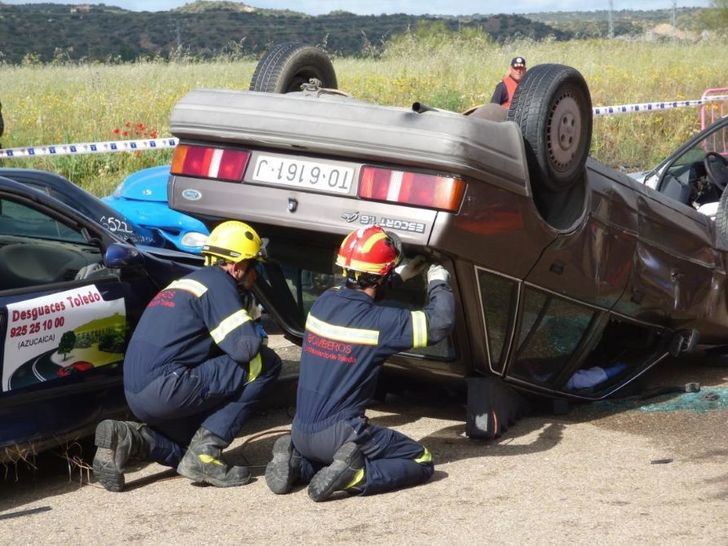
(572, 279)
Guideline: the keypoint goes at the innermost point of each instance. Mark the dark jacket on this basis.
(348, 336)
(192, 320)
(500, 94)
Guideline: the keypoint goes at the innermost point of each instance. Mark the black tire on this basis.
(721, 221)
(552, 106)
(285, 67)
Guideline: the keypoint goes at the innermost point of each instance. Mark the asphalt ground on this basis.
(649, 471)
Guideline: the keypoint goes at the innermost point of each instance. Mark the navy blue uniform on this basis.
(348, 337)
(500, 94)
(196, 359)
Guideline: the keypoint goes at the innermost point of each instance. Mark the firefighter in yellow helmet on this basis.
(194, 369)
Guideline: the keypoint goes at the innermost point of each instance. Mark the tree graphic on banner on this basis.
(68, 341)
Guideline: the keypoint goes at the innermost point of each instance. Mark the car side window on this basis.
(622, 348)
(690, 156)
(685, 178)
(550, 332)
(38, 249)
(717, 141)
(18, 219)
(680, 179)
(497, 298)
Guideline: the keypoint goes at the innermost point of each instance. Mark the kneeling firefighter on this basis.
(347, 338)
(195, 367)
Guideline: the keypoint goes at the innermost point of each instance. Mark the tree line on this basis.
(205, 30)
(49, 32)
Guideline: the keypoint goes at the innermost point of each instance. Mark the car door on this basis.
(682, 176)
(65, 316)
(565, 346)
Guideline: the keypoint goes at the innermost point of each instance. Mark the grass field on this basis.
(71, 103)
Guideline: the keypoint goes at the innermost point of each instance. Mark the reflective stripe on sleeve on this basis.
(342, 333)
(229, 324)
(426, 457)
(255, 366)
(196, 288)
(419, 329)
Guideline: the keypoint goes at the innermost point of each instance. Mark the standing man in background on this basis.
(506, 88)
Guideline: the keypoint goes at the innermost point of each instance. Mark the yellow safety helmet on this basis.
(233, 241)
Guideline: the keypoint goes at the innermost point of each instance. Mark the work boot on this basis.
(346, 471)
(119, 444)
(285, 468)
(202, 464)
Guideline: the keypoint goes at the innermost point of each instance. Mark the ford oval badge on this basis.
(191, 195)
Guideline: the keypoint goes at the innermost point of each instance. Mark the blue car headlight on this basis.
(194, 239)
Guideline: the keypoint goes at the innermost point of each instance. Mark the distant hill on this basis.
(200, 6)
(205, 5)
(204, 29)
(625, 22)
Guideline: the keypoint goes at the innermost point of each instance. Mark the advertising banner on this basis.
(54, 336)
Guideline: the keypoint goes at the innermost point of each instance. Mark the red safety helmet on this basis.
(369, 250)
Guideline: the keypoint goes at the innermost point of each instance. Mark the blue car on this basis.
(142, 197)
(71, 292)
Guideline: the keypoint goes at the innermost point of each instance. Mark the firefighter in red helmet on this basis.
(348, 336)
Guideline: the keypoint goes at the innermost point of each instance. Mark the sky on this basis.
(414, 7)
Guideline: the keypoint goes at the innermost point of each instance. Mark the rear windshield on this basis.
(296, 275)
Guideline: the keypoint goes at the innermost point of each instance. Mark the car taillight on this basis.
(207, 162)
(424, 190)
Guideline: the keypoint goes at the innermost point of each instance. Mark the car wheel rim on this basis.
(564, 132)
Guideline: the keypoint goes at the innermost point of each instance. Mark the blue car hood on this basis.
(155, 215)
(142, 197)
(145, 185)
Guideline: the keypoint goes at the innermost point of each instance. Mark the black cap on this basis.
(517, 62)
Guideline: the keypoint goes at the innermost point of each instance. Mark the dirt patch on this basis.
(584, 477)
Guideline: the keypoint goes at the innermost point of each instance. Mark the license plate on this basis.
(304, 174)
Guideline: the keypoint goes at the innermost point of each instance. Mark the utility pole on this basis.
(610, 32)
(674, 19)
